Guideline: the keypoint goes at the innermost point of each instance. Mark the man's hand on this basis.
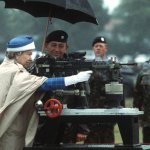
(81, 137)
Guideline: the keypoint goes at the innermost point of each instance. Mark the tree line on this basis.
(126, 29)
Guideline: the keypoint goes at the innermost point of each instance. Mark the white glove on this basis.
(80, 77)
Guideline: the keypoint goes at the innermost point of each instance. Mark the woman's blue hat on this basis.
(20, 43)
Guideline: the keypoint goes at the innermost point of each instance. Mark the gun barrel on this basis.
(66, 92)
(128, 64)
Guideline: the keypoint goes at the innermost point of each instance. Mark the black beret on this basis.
(99, 39)
(58, 35)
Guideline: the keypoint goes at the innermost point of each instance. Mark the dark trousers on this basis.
(101, 133)
(146, 135)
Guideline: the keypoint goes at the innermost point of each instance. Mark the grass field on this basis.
(118, 140)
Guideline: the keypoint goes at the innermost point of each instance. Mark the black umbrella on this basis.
(72, 11)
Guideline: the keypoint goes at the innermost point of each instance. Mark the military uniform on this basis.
(142, 99)
(64, 132)
(99, 132)
(51, 131)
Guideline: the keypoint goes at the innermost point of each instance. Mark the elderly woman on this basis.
(19, 90)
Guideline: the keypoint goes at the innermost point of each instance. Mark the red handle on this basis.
(53, 108)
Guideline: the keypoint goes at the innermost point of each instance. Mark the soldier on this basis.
(141, 100)
(99, 132)
(56, 47)
(56, 44)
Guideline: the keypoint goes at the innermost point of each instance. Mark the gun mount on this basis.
(109, 72)
(124, 117)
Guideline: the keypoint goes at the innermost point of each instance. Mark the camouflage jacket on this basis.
(97, 97)
(142, 94)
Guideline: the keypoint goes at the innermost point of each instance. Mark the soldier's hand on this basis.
(81, 137)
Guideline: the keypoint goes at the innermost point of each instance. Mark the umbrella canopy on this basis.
(72, 11)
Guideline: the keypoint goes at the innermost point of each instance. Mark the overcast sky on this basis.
(111, 4)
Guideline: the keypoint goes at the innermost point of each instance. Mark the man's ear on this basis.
(45, 45)
(106, 47)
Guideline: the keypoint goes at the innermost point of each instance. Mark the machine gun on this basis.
(108, 71)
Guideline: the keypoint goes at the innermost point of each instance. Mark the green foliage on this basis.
(133, 33)
(129, 36)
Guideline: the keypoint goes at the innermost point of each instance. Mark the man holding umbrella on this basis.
(56, 47)
(56, 44)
